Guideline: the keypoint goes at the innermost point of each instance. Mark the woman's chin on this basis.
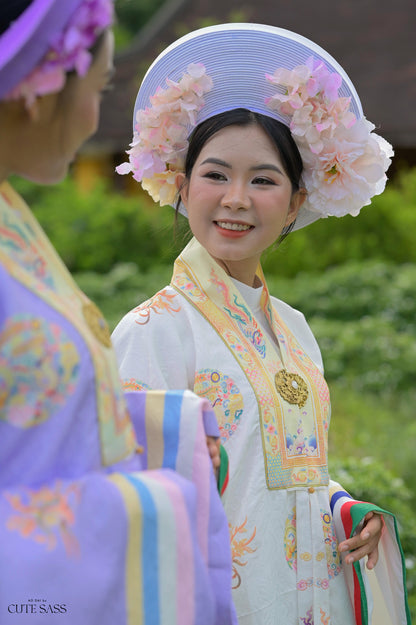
(52, 175)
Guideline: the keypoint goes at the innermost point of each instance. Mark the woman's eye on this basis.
(214, 175)
(260, 180)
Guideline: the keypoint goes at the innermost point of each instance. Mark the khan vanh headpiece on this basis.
(49, 39)
(271, 71)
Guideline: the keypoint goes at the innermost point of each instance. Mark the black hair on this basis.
(277, 131)
(10, 10)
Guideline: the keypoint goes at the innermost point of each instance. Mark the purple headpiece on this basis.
(47, 40)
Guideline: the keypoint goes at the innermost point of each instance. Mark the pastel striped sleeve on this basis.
(119, 548)
(168, 571)
(138, 544)
(172, 427)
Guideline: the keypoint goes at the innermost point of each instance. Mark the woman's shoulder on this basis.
(166, 302)
(156, 314)
(150, 346)
(287, 312)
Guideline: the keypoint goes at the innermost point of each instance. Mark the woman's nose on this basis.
(236, 196)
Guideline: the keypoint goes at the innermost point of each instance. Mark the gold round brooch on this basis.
(291, 387)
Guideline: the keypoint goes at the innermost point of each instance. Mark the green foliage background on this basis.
(355, 281)
(132, 15)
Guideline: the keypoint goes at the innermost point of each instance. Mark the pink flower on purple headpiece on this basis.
(69, 51)
(71, 47)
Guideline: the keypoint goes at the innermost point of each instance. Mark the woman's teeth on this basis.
(230, 226)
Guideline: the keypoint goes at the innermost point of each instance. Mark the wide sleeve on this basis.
(383, 590)
(154, 346)
(172, 427)
(146, 541)
(102, 550)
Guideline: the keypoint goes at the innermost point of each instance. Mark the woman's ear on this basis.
(22, 111)
(33, 110)
(44, 108)
(182, 187)
(296, 202)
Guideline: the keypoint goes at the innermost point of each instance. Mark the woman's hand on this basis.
(366, 542)
(213, 445)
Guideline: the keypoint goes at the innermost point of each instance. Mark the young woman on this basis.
(87, 534)
(259, 131)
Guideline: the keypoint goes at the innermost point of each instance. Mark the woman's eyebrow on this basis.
(218, 161)
(266, 166)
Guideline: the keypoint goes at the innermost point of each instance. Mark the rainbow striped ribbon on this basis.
(389, 582)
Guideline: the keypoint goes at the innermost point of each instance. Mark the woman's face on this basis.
(239, 198)
(62, 122)
(81, 102)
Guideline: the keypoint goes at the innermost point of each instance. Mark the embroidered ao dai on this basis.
(87, 535)
(255, 359)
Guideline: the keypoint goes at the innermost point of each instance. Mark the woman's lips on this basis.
(232, 228)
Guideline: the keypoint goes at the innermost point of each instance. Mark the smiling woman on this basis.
(255, 131)
(239, 204)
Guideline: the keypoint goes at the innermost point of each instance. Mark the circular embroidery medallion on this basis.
(39, 370)
(96, 323)
(291, 387)
(224, 396)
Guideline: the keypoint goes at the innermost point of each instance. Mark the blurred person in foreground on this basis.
(109, 509)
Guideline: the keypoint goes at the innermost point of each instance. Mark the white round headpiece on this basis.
(271, 71)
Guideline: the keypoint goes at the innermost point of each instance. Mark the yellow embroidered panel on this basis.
(29, 258)
(294, 435)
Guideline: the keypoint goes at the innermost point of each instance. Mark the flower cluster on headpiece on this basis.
(69, 51)
(160, 141)
(344, 161)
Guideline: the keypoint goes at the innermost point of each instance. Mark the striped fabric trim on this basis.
(179, 444)
(337, 496)
(149, 553)
(134, 583)
(178, 601)
(223, 473)
(351, 514)
(172, 426)
(158, 516)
